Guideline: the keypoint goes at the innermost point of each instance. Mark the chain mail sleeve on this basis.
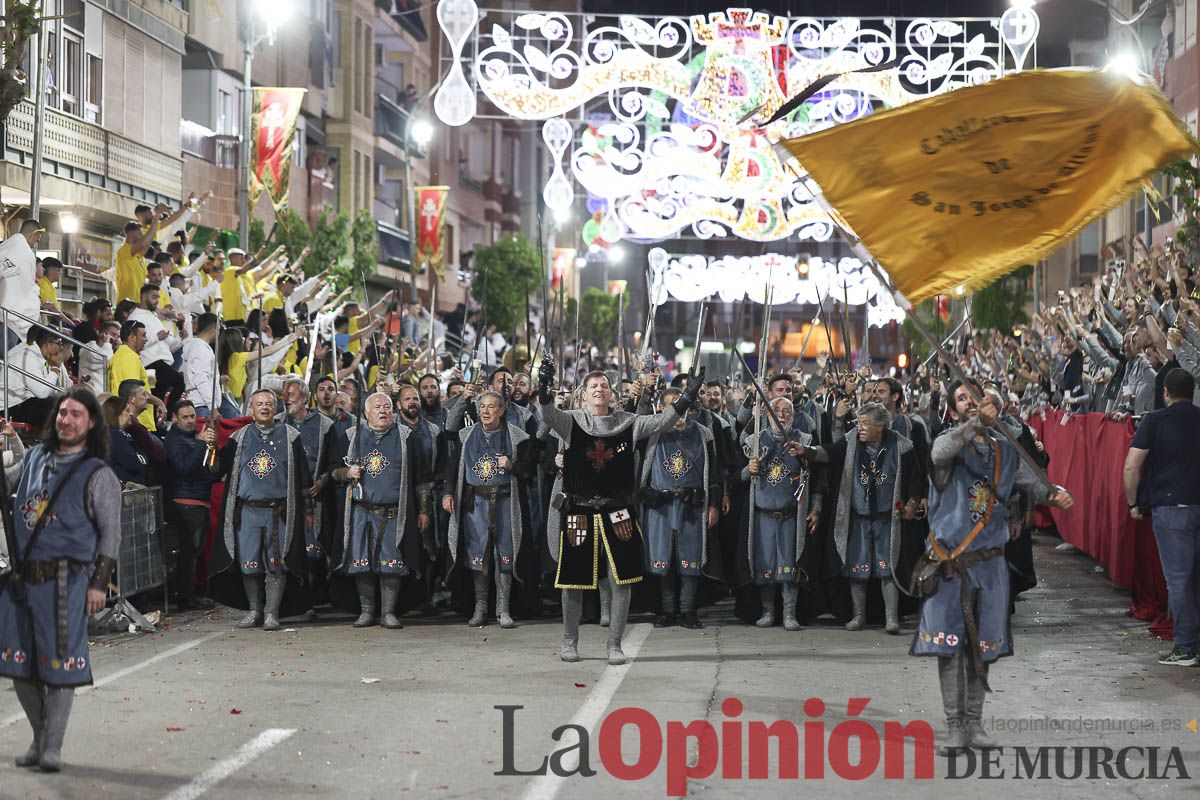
(646, 426)
(946, 447)
(555, 419)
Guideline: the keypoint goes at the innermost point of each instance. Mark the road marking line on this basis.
(223, 769)
(545, 787)
(121, 673)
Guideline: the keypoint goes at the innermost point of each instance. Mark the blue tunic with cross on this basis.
(677, 466)
(869, 540)
(481, 467)
(374, 544)
(262, 476)
(774, 540)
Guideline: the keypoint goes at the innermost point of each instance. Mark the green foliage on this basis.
(293, 233)
(258, 235)
(1000, 305)
(364, 241)
(927, 312)
(331, 248)
(504, 272)
(1184, 186)
(598, 317)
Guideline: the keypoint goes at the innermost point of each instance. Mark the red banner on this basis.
(560, 264)
(616, 288)
(431, 213)
(272, 130)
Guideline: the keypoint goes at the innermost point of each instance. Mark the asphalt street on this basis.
(324, 710)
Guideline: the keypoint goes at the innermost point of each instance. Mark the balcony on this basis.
(390, 123)
(197, 140)
(85, 153)
(394, 245)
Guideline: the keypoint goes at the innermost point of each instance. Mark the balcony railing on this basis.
(86, 153)
(391, 120)
(215, 148)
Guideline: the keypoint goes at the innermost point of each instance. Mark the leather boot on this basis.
(766, 596)
(687, 602)
(977, 737)
(482, 585)
(253, 585)
(952, 682)
(57, 711)
(891, 606)
(274, 587)
(389, 590)
(667, 599)
(365, 583)
(572, 609)
(605, 602)
(616, 629)
(33, 702)
(791, 592)
(858, 597)
(503, 598)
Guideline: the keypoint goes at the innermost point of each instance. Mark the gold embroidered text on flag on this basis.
(272, 131)
(967, 186)
(431, 212)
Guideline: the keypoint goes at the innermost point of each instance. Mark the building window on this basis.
(71, 74)
(226, 117)
(93, 89)
(367, 64)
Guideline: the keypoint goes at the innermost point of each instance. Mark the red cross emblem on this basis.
(599, 455)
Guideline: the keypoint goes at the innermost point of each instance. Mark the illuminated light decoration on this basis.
(692, 278)
(454, 102)
(558, 193)
(656, 101)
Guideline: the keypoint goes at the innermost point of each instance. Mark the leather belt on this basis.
(35, 572)
(781, 514)
(489, 492)
(600, 503)
(385, 510)
(262, 503)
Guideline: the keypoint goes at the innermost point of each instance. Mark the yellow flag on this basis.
(964, 187)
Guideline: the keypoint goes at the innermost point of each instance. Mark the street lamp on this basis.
(273, 14)
(419, 131)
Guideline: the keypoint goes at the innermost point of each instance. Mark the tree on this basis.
(330, 245)
(293, 233)
(928, 313)
(504, 273)
(364, 242)
(21, 22)
(1001, 304)
(598, 317)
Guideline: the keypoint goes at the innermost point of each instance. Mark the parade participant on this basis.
(880, 482)
(783, 507)
(680, 492)
(599, 482)
(317, 436)
(466, 406)
(488, 508)
(964, 615)
(431, 400)
(266, 473)
(63, 544)
(326, 395)
(380, 536)
(191, 483)
(429, 450)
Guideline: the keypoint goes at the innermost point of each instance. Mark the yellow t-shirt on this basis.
(272, 301)
(46, 291)
(127, 365)
(355, 344)
(237, 374)
(231, 296)
(131, 274)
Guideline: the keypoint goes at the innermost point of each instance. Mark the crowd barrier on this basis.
(1087, 457)
(141, 560)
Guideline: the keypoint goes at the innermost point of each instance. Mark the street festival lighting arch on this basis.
(646, 113)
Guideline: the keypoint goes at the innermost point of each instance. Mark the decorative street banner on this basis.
(616, 288)
(272, 130)
(967, 186)
(431, 212)
(561, 262)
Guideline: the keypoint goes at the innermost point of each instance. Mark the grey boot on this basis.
(858, 596)
(274, 587)
(605, 603)
(891, 606)
(33, 702)
(766, 595)
(482, 585)
(616, 629)
(791, 592)
(953, 684)
(58, 710)
(253, 585)
(503, 596)
(977, 737)
(572, 609)
(687, 602)
(389, 590)
(365, 583)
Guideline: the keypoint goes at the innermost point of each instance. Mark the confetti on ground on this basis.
(370, 680)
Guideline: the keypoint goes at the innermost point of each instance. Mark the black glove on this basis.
(545, 380)
(688, 398)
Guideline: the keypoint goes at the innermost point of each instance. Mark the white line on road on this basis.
(223, 769)
(121, 673)
(545, 787)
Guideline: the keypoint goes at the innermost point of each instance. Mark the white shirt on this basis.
(91, 364)
(29, 359)
(155, 350)
(199, 362)
(18, 282)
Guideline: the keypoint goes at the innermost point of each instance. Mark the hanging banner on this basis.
(431, 213)
(967, 186)
(272, 130)
(561, 262)
(616, 287)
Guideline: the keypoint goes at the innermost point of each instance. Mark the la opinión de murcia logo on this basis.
(733, 749)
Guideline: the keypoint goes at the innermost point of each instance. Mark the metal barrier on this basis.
(4, 316)
(141, 563)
